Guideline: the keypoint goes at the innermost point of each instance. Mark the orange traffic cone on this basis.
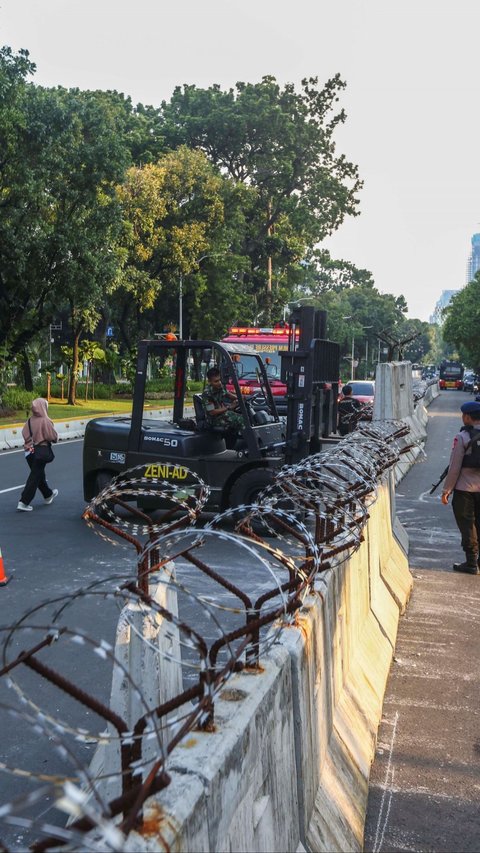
(3, 578)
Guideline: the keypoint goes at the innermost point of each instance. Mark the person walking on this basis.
(463, 479)
(38, 434)
(349, 409)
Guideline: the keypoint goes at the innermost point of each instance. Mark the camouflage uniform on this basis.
(215, 398)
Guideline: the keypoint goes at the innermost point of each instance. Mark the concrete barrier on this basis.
(287, 766)
(394, 401)
(145, 676)
(11, 437)
(393, 391)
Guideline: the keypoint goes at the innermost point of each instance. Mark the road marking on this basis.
(425, 496)
(387, 791)
(11, 489)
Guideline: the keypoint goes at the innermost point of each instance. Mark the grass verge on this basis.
(59, 410)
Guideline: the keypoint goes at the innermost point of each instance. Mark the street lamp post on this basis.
(180, 309)
(352, 357)
(366, 350)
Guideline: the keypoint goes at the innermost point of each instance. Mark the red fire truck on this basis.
(267, 342)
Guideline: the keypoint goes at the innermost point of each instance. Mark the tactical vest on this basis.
(471, 458)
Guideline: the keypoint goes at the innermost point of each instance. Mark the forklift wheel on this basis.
(102, 480)
(246, 489)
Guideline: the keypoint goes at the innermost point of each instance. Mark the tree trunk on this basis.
(197, 365)
(72, 385)
(27, 372)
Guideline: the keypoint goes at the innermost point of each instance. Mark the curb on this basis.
(11, 437)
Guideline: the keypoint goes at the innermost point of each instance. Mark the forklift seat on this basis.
(200, 415)
(203, 425)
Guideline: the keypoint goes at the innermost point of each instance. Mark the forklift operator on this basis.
(220, 404)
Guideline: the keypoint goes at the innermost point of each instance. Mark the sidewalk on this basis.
(425, 780)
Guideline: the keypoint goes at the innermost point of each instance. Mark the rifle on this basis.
(442, 477)
(444, 473)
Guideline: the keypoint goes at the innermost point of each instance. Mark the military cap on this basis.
(471, 408)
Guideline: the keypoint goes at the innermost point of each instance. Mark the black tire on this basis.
(248, 486)
(102, 480)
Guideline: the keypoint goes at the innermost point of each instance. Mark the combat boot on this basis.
(469, 567)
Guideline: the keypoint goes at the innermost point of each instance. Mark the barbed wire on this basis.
(182, 620)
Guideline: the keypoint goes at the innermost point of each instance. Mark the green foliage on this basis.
(280, 144)
(462, 323)
(100, 390)
(14, 399)
(162, 384)
(359, 315)
(109, 212)
(173, 220)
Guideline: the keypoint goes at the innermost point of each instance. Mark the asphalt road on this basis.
(433, 535)
(50, 552)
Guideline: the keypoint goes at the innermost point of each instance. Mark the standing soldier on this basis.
(463, 479)
(220, 404)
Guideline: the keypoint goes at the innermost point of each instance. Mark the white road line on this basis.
(11, 489)
(387, 791)
(424, 497)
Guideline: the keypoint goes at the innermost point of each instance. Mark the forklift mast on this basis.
(310, 370)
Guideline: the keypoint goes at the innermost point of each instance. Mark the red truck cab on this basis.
(268, 343)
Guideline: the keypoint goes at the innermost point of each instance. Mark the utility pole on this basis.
(180, 309)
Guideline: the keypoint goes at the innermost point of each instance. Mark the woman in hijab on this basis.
(38, 435)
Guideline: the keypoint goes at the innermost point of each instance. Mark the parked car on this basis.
(363, 390)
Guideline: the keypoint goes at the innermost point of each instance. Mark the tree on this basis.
(323, 273)
(174, 216)
(462, 322)
(280, 143)
(356, 316)
(60, 218)
(17, 195)
(420, 333)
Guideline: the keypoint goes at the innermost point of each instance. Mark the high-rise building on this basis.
(442, 303)
(473, 264)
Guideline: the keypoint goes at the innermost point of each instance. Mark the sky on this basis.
(412, 100)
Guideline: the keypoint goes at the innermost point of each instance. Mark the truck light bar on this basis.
(248, 331)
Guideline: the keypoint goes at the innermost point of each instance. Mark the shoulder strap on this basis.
(472, 440)
(30, 428)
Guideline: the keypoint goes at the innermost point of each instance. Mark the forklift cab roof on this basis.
(223, 356)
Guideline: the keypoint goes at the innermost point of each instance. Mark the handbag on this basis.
(42, 452)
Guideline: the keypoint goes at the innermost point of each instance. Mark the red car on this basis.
(363, 390)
